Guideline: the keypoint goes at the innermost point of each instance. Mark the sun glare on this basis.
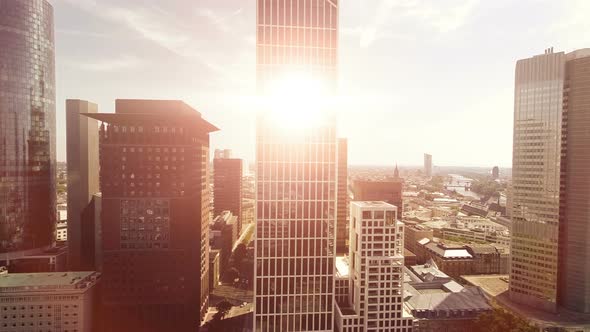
(297, 101)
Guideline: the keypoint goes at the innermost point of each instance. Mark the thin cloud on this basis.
(440, 17)
(109, 65)
(222, 22)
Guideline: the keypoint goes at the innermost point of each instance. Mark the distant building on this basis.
(227, 186)
(389, 191)
(222, 154)
(496, 172)
(214, 270)
(50, 302)
(343, 199)
(458, 260)
(155, 215)
(427, 165)
(61, 232)
(375, 276)
(415, 233)
(223, 236)
(439, 303)
(83, 165)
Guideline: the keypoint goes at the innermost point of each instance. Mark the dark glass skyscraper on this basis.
(154, 216)
(27, 125)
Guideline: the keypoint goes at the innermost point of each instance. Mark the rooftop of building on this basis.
(468, 302)
(491, 284)
(342, 267)
(373, 204)
(426, 272)
(18, 282)
(446, 251)
(164, 112)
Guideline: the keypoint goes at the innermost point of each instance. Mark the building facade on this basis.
(155, 216)
(574, 238)
(343, 199)
(296, 172)
(27, 126)
(52, 302)
(389, 191)
(549, 219)
(375, 292)
(427, 165)
(227, 186)
(82, 163)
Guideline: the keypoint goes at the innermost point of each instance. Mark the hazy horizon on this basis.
(416, 76)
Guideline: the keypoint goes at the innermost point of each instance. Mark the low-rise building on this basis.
(457, 260)
(50, 259)
(61, 301)
(439, 303)
(414, 233)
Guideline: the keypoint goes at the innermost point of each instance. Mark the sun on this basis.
(297, 100)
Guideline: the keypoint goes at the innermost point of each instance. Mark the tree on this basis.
(223, 307)
(500, 320)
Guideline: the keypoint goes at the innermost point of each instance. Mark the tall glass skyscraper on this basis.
(296, 172)
(27, 125)
(550, 219)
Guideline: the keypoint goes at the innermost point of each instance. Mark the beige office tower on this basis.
(83, 166)
(375, 271)
(296, 172)
(550, 221)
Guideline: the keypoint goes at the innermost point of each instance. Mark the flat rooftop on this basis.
(44, 280)
(491, 284)
(373, 204)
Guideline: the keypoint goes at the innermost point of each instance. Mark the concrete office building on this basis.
(550, 222)
(227, 186)
(296, 172)
(375, 293)
(343, 199)
(427, 165)
(27, 126)
(155, 215)
(82, 160)
(48, 302)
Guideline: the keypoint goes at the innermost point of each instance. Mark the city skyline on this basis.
(200, 55)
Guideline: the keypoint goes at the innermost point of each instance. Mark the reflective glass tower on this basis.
(550, 218)
(27, 125)
(296, 172)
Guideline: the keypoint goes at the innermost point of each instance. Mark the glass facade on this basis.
(536, 177)
(296, 36)
(296, 175)
(27, 125)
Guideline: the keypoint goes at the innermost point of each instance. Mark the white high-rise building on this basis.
(375, 272)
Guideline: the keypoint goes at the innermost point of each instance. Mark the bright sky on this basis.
(418, 75)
